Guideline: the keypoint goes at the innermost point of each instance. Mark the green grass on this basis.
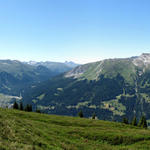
(110, 68)
(33, 131)
(114, 106)
(41, 96)
(122, 66)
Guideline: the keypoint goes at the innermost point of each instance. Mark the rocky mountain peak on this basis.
(143, 59)
(145, 56)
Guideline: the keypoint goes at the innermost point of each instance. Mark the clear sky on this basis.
(78, 30)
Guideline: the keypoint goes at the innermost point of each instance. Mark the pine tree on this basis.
(143, 122)
(134, 122)
(15, 106)
(80, 114)
(140, 122)
(21, 106)
(28, 108)
(125, 120)
(38, 110)
(93, 116)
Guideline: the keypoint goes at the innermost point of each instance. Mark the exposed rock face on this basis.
(77, 72)
(142, 60)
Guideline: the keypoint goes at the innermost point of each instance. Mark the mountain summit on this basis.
(111, 66)
(143, 59)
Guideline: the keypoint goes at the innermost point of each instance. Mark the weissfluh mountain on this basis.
(111, 88)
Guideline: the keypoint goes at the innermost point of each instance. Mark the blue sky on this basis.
(78, 30)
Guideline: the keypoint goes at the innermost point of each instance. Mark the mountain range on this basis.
(17, 76)
(112, 89)
(57, 67)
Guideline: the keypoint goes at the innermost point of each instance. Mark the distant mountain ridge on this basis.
(142, 61)
(17, 76)
(55, 66)
(111, 88)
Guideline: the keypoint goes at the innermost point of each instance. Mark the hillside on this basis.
(16, 77)
(33, 131)
(111, 88)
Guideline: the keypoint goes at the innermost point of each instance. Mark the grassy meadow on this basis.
(21, 130)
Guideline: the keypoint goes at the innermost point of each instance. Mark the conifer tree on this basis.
(38, 110)
(140, 122)
(93, 116)
(125, 120)
(80, 114)
(134, 122)
(21, 106)
(28, 108)
(143, 122)
(15, 106)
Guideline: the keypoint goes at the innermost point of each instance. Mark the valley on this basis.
(16, 77)
(112, 88)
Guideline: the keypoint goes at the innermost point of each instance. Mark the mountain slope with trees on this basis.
(16, 77)
(111, 89)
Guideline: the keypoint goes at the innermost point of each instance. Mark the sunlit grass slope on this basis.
(33, 131)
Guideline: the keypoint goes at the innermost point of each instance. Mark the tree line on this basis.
(20, 106)
(142, 122)
(80, 114)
